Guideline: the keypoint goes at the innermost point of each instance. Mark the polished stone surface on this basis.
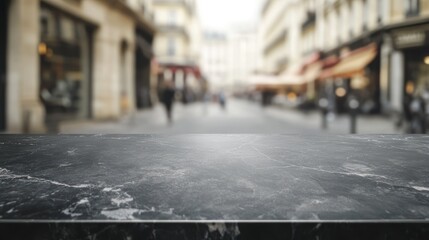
(214, 177)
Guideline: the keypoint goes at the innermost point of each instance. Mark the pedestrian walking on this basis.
(222, 99)
(168, 95)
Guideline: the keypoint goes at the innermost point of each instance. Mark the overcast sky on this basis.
(227, 14)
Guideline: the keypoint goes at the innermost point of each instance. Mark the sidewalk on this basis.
(240, 117)
(337, 124)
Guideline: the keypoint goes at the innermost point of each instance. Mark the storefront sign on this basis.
(409, 39)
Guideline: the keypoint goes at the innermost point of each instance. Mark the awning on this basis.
(190, 69)
(310, 60)
(273, 82)
(263, 81)
(355, 62)
(312, 72)
(291, 79)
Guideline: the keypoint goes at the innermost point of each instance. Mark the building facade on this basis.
(229, 59)
(375, 51)
(289, 45)
(177, 45)
(72, 59)
(214, 60)
(394, 70)
(273, 36)
(243, 56)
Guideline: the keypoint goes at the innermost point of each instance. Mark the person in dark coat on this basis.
(168, 95)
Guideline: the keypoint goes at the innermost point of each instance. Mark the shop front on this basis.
(143, 61)
(354, 75)
(413, 43)
(187, 80)
(65, 66)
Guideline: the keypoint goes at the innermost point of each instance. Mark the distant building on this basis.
(177, 45)
(214, 59)
(65, 60)
(228, 59)
(244, 56)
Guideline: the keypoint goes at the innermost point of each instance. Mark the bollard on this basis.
(353, 106)
(323, 104)
(324, 119)
(26, 122)
(353, 123)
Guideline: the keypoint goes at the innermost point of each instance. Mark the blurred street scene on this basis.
(240, 117)
(224, 66)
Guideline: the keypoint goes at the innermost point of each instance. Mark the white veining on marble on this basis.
(72, 152)
(70, 211)
(121, 214)
(6, 174)
(65, 165)
(421, 188)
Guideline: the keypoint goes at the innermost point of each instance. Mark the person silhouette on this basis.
(168, 95)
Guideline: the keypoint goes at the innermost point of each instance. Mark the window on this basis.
(171, 49)
(365, 11)
(172, 17)
(339, 20)
(351, 19)
(380, 10)
(412, 8)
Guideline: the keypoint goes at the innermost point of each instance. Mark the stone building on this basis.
(177, 45)
(381, 47)
(288, 35)
(273, 31)
(229, 58)
(373, 50)
(72, 59)
(243, 56)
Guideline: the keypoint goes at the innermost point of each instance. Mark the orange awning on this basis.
(351, 64)
(355, 62)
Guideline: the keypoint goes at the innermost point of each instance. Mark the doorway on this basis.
(4, 7)
(143, 56)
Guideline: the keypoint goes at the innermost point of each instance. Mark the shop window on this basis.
(48, 24)
(68, 31)
(64, 66)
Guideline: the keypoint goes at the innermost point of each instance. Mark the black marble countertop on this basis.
(214, 177)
